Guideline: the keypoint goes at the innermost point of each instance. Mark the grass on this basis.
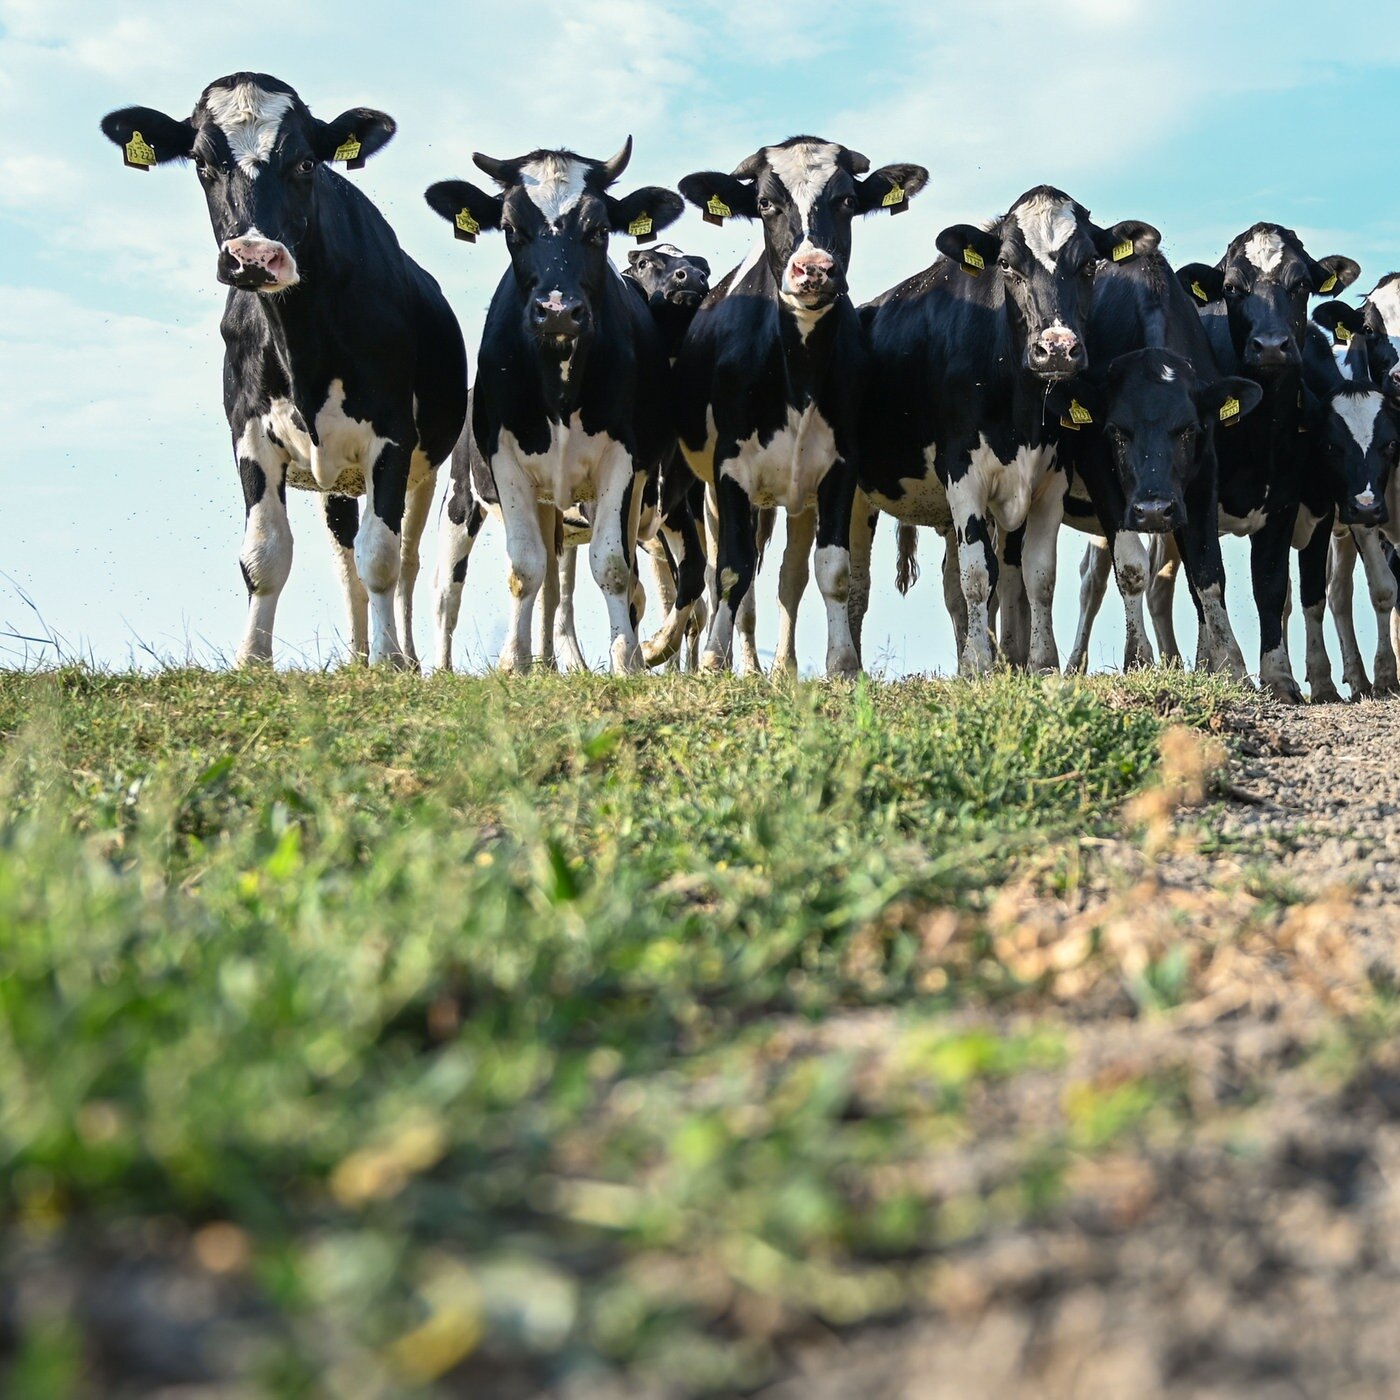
(483, 1032)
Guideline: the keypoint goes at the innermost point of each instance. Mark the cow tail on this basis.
(906, 573)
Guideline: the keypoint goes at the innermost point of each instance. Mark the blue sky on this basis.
(124, 511)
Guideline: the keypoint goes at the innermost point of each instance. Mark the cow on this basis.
(1254, 305)
(769, 379)
(1367, 337)
(344, 368)
(1143, 454)
(957, 428)
(571, 396)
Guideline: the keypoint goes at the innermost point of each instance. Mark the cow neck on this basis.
(1275, 428)
(561, 382)
(808, 350)
(1030, 411)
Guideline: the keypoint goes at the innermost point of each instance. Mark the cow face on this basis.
(557, 217)
(1359, 438)
(807, 193)
(1367, 338)
(261, 159)
(1265, 280)
(1158, 420)
(674, 284)
(1045, 252)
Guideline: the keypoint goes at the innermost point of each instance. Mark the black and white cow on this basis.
(1367, 337)
(344, 369)
(571, 398)
(1144, 457)
(769, 379)
(958, 430)
(1254, 305)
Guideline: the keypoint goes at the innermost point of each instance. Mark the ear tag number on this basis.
(1199, 292)
(641, 228)
(717, 211)
(896, 201)
(465, 227)
(973, 261)
(1328, 284)
(1123, 250)
(137, 154)
(349, 152)
(1230, 412)
(1077, 416)
(1343, 334)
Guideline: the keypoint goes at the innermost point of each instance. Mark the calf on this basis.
(344, 370)
(571, 397)
(957, 432)
(1254, 305)
(769, 378)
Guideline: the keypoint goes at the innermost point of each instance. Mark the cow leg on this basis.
(1131, 570)
(680, 577)
(343, 521)
(526, 551)
(1197, 544)
(1094, 569)
(460, 523)
(1010, 602)
(1038, 570)
(566, 644)
(977, 576)
(864, 519)
(548, 607)
(1268, 565)
(765, 523)
(266, 557)
(953, 598)
(1340, 575)
(1163, 560)
(378, 547)
(736, 560)
(1312, 592)
(792, 582)
(1384, 592)
(836, 498)
(611, 554)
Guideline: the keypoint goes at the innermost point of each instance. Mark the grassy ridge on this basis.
(446, 1024)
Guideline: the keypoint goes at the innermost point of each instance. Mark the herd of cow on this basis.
(1043, 369)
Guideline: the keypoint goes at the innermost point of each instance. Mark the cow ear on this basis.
(720, 197)
(644, 212)
(1228, 400)
(972, 248)
(1333, 274)
(702, 263)
(468, 209)
(354, 136)
(890, 187)
(1339, 320)
(1131, 238)
(148, 137)
(1204, 283)
(1077, 403)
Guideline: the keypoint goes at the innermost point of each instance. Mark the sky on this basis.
(122, 502)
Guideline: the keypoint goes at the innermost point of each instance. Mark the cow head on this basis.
(557, 216)
(1359, 439)
(674, 284)
(1158, 421)
(1265, 280)
(1045, 252)
(261, 158)
(1368, 337)
(807, 193)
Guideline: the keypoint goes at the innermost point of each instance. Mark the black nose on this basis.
(1364, 515)
(559, 316)
(1155, 515)
(1270, 349)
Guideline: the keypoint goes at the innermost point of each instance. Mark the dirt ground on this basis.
(1251, 1247)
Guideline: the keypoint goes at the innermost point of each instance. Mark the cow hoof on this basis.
(1389, 686)
(1140, 659)
(1076, 664)
(711, 662)
(1284, 688)
(844, 665)
(1324, 693)
(656, 653)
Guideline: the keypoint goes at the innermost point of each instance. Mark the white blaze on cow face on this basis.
(1265, 250)
(805, 171)
(1046, 224)
(554, 184)
(250, 119)
(1359, 413)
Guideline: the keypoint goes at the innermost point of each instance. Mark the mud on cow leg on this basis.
(460, 523)
(266, 557)
(792, 583)
(343, 521)
(611, 556)
(736, 562)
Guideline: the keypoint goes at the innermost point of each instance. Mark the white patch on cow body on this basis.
(752, 259)
(555, 184)
(923, 501)
(347, 449)
(787, 469)
(1249, 524)
(1359, 412)
(1304, 526)
(566, 472)
(250, 119)
(1046, 224)
(1386, 300)
(1006, 489)
(1265, 250)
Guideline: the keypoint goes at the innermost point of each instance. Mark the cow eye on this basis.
(847, 201)
(597, 235)
(305, 166)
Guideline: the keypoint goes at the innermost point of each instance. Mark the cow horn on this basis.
(501, 171)
(748, 169)
(612, 169)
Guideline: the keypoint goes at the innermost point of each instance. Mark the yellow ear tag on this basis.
(896, 201)
(349, 152)
(1343, 334)
(641, 228)
(1123, 250)
(1077, 416)
(716, 210)
(973, 261)
(137, 154)
(1328, 284)
(1199, 292)
(1230, 412)
(465, 227)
